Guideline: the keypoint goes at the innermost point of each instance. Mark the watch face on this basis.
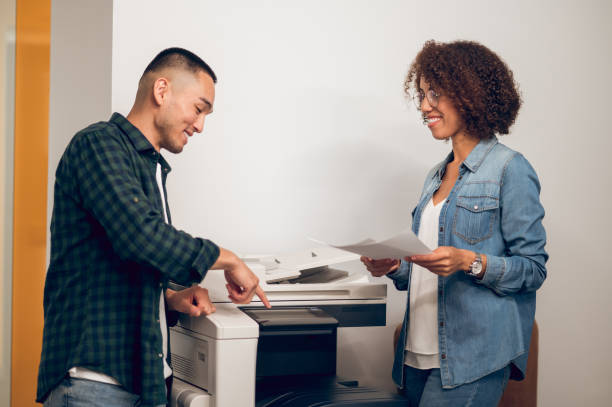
(476, 268)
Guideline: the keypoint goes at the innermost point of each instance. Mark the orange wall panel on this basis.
(30, 194)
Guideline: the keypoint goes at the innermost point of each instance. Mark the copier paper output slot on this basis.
(295, 341)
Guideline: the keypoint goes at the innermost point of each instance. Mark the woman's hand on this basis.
(446, 260)
(380, 267)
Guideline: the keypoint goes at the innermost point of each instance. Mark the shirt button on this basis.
(475, 207)
(161, 285)
(157, 320)
(444, 356)
(441, 228)
(160, 355)
(135, 199)
(441, 323)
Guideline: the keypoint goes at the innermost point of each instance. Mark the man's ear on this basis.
(161, 87)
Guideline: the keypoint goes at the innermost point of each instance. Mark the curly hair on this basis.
(476, 80)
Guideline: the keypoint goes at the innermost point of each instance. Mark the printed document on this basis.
(399, 246)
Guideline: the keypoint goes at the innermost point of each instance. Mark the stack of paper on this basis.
(399, 246)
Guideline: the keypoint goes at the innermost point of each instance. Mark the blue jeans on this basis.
(424, 388)
(73, 392)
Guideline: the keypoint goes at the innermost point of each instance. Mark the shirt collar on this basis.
(473, 160)
(478, 154)
(140, 142)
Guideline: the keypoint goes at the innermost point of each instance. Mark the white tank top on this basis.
(422, 342)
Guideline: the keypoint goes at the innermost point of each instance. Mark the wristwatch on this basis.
(475, 267)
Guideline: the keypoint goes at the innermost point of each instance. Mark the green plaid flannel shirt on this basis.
(111, 255)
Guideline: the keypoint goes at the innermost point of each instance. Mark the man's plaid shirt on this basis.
(111, 255)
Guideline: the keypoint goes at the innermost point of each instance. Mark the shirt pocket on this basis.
(475, 217)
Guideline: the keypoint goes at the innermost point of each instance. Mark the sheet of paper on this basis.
(399, 246)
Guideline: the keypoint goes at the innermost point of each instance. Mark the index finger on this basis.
(425, 257)
(262, 296)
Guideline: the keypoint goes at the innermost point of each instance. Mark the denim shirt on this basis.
(493, 209)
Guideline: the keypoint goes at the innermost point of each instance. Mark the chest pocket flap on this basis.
(477, 212)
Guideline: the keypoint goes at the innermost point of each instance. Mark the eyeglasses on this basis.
(432, 97)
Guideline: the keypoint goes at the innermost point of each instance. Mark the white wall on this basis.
(311, 135)
(80, 74)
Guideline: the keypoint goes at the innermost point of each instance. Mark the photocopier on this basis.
(251, 356)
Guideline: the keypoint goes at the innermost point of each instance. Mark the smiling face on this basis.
(444, 119)
(184, 100)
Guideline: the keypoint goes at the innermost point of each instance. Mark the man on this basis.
(113, 250)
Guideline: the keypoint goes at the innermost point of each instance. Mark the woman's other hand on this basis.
(380, 267)
(446, 260)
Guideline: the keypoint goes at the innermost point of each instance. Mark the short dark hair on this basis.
(474, 78)
(179, 57)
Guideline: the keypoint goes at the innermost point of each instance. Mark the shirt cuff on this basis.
(208, 255)
(496, 268)
(401, 273)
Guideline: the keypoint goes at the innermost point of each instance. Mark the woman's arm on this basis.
(401, 276)
(523, 267)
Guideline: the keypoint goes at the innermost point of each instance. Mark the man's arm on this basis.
(137, 231)
(112, 193)
(242, 283)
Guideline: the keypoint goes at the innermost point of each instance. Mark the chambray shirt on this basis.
(494, 209)
(112, 254)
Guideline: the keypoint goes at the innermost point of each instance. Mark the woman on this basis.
(471, 302)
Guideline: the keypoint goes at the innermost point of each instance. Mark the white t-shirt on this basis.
(162, 311)
(422, 342)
